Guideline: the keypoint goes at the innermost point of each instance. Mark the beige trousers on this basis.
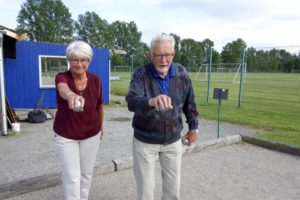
(144, 158)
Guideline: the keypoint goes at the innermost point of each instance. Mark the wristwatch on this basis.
(196, 131)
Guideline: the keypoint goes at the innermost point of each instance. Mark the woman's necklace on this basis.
(81, 85)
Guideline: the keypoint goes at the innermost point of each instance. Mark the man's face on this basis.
(162, 57)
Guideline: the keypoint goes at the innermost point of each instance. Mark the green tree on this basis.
(286, 61)
(117, 59)
(216, 57)
(177, 57)
(251, 61)
(232, 52)
(125, 36)
(192, 54)
(274, 60)
(296, 64)
(46, 21)
(93, 30)
(141, 55)
(208, 44)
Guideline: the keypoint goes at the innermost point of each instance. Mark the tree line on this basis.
(51, 21)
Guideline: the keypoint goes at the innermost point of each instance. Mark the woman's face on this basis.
(78, 65)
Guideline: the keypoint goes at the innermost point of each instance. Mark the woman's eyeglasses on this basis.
(77, 61)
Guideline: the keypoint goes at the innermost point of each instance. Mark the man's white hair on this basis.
(162, 38)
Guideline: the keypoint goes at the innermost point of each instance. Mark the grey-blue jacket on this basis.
(161, 127)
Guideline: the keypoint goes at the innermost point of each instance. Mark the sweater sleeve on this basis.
(136, 98)
(190, 107)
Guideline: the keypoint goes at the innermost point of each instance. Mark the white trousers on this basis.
(77, 159)
(144, 158)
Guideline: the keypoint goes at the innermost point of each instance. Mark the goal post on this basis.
(222, 72)
(202, 73)
(241, 69)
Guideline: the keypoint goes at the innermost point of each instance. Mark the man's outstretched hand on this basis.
(161, 103)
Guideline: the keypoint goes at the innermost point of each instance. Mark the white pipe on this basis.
(2, 88)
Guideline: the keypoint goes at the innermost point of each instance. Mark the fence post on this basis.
(3, 115)
(242, 77)
(209, 73)
(131, 69)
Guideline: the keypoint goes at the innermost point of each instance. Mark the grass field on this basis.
(269, 101)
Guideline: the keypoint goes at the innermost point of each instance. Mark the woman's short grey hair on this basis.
(162, 38)
(79, 49)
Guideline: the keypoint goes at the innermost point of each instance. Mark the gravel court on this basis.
(235, 172)
(32, 153)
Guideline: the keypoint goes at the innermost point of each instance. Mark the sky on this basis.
(260, 23)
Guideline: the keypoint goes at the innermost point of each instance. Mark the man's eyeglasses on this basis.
(167, 56)
(77, 61)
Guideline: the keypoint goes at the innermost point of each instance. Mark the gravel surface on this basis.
(236, 172)
(28, 159)
(31, 153)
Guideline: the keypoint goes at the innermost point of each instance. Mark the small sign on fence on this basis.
(220, 94)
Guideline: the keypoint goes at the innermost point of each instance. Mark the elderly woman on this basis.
(78, 121)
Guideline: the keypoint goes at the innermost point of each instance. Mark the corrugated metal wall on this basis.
(22, 74)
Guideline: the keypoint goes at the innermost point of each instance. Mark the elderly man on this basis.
(158, 94)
